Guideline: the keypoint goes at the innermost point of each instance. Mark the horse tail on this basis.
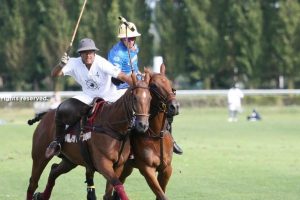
(37, 118)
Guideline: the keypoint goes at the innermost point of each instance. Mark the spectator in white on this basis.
(234, 98)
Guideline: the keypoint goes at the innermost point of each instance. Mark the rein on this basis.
(130, 110)
(163, 101)
(170, 96)
(160, 107)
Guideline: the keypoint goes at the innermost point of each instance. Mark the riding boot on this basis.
(176, 147)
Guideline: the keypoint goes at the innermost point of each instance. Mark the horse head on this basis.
(141, 102)
(161, 90)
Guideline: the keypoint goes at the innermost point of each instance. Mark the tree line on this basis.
(205, 43)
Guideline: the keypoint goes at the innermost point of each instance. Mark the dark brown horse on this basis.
(153, 150)
(107, 141)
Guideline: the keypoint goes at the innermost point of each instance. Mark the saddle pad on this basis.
(96, 107)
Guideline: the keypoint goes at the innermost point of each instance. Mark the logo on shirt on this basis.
(91, 84)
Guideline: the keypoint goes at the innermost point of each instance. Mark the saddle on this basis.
(78, 132)
(96, 105)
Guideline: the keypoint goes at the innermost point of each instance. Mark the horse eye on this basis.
(152, 86)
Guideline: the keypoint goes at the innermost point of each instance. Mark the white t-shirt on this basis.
(234, 97)
(95, 82)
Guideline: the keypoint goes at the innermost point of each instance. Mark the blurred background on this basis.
(205, 44)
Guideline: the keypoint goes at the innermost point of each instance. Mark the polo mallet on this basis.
(76, 28)
(124, 21)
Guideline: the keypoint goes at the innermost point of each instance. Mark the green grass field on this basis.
(221, 161)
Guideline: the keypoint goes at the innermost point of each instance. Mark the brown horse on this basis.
(107, 141)
(153, 150)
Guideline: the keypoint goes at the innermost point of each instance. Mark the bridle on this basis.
(164, 100)
(133, 106)
(170, 95)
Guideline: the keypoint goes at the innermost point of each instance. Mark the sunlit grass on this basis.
(221, 160)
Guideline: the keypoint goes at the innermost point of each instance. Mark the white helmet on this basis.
(130, 33)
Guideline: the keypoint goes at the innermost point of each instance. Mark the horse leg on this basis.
(109, 188)
(108, 193)
(56, 170)
(127, 170)
(38, 167)
(91, 193)
(150, 176)
(164, 177)
(105, 167)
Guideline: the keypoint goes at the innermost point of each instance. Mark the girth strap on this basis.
(84, 150)
(86, 155)
(120, 151)
(84, 146)
(87, 124)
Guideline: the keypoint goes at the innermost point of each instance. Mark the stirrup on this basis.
(177, 149)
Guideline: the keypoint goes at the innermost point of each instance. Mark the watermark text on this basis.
(24, 98)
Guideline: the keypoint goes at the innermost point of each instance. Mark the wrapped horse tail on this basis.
(37, 118)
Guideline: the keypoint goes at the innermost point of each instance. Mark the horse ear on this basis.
(148, 70)
(147, 77)
(162, 69)
(134, 80)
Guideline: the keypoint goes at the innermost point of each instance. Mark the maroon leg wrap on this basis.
(48, 190)
(121, 192)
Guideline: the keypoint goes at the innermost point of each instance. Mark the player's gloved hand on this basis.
(64, 60)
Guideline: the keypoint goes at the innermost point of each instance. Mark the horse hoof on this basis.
(37, 196)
